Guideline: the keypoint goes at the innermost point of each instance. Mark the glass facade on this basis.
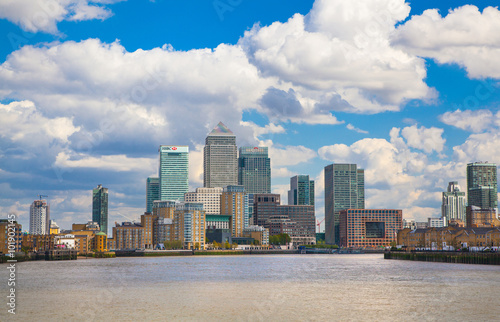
(220, 163)
(482, 185)
(152, 192)
(174, 172)
(254, 170)
(100, 207)
(344, 189)
(301, 191)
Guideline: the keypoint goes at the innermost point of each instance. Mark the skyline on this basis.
(86, 100)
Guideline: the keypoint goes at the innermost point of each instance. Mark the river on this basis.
(362, 287)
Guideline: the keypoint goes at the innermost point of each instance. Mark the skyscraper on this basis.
(453, 205)
(301, 191)
(100, 207)
(40, 217)
(344, 189)
(174, 172)
(254, 173)
(254, 169)
(152, 192)
(482, 185)
(220, 163)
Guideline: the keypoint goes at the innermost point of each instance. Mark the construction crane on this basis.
(40, 196)
(318, 223)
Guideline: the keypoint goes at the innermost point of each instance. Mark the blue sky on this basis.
(89, 89)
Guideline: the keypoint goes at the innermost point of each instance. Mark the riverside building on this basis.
(234, 204)
(369, 227)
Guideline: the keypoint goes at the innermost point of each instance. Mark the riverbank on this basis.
(159, 253)
(447, 257)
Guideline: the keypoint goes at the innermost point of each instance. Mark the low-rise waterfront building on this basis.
(65, 241)
(448, 238)
(128, 235)
(99, 242)
(36, 242)
(258, 233)
(10, 230)
(369, 227)
(482, 217)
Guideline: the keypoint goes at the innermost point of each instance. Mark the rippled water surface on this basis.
(254, 288)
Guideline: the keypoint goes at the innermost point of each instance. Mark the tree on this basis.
(227, 245)
(280, 239)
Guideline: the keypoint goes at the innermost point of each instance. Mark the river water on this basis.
(347, 287)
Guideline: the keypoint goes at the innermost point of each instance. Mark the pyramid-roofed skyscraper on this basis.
(220, 163)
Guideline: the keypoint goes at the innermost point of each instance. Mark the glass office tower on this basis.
(174, 172)
(344, 189)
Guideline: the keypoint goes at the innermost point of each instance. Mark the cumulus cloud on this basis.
(341, 48)
(472, 121)
(426, 139)
(479, 147)
(43, 15)
(23, 123)
(465, 36)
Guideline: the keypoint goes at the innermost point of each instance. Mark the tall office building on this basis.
(100, 207)
(453, 205)
(301, 191)
(234, 203)
(174, 172)
(220, 163)
(40, 217)
(254, 169)
(152, 192)
(344, 189)
(482, 185)
(254, 173)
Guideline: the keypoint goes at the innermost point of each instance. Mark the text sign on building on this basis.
(174, 148)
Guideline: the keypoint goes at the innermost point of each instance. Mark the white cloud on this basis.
(341, 48)
(426, 139)
(479, 147)
(465, 36)
(355, 129)
(473, 121)
(106, 162)
(281, 173)
(288, 155)
(23, 123)
(258, 131)
(43, 15)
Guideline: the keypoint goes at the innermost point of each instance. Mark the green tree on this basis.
(227, 245)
